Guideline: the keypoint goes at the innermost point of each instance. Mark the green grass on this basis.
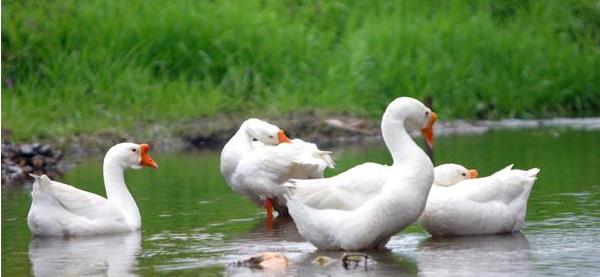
(84, 66)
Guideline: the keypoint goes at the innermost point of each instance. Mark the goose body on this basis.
(256, 169)
(343, 224)
(488, 205)
(351, 189)
(59, 209)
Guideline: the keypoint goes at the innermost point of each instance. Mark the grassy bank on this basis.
(81, 66)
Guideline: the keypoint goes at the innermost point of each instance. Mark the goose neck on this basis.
(399, 143)
(117, 192)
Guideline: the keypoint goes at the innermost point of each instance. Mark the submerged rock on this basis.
(266, 261)
(18, 160)
(323, 261)
(352, 261)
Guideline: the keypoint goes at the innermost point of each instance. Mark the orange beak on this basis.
(473, 174)
(282, 137)
(146, 160)
(428, 130)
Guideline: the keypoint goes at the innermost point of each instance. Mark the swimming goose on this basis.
(59, 209)
(400, 200)
(449, 174)
(488, 205)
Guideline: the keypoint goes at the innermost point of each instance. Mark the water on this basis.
(193, 224)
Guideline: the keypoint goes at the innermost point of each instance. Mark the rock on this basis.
(7, 150)
(38, 161)
(26, 150)
(266, 261)
(352, 261)
(45, 150)
(323, 261)
(18, 160)
(353, 125)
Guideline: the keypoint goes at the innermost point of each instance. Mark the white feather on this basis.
(488, 205)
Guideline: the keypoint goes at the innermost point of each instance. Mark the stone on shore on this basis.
(18, 160)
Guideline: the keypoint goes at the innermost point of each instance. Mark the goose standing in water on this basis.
(400, 200)
(260, 157)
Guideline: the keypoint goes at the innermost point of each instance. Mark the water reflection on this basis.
(206, 249)
(113, 255)
(380, 263)
(475, 256)
(283, 229)
(284, 237)
(200, 226)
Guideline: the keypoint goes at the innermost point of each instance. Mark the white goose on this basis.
(450, 174)
(398, 203)
(58, 209)
(347, 191)
(488, 205)
(256, 169)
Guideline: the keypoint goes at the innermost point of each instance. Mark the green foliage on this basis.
(82, 66)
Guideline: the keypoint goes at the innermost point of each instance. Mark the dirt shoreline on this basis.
(332, 131)
(212, 133)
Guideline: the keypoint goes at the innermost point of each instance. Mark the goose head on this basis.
(449, 174)
(130, 155)
(416, 116)
(264, 132)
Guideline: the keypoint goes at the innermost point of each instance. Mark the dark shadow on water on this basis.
(475, 255)
(111, 255)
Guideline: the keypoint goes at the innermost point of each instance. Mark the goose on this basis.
(59, 209)
(449, 174)
(397, 204)
(489, 205)
(347, 191)
(260, 157)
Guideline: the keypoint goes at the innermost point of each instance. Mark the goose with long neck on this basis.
(398, 203)
(59, 209)
(260, 157)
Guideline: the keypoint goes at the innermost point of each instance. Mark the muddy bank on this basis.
(331, 131)
(213, 133)
(334, 131)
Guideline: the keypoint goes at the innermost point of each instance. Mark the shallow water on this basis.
(193, 224)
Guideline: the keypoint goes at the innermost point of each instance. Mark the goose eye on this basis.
(254, 139)
(427, 113)
(464, 174)
(133, 150)
(270, 137)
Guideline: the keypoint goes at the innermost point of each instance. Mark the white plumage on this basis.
(256, 169)
(58, 209)
(346, 211)
(352, 188)
(488, 205)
